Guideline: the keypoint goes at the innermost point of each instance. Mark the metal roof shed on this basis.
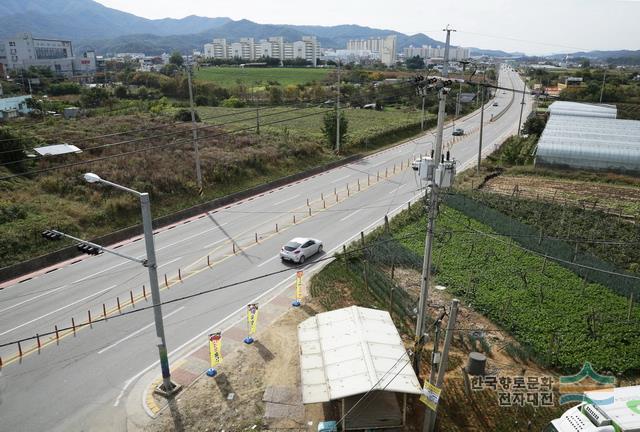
(348, 352)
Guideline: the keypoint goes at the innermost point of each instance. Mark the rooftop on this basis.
(351, 351)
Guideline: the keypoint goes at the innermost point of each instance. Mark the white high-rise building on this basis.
(428, 52)
(384, 47)
(308, 48)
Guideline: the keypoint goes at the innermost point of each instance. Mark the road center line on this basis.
(349, 215)
(57, 310)
(269, 260)
(284, 201)
(137, 332)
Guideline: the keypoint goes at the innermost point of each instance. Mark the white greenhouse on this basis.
(590, 140)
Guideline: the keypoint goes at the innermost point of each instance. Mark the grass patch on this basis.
(228, 76)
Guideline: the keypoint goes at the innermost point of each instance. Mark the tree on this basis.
(534, 126)
(176, 59)
(329, 128)
(184, 115)
(94, 97)
(121, 92)
(11, 149)
(415, 62)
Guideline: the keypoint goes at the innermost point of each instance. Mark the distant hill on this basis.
(81, 20)
(91, 25)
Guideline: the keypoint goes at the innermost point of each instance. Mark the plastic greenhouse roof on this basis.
(583, 109)
(350, 351)
(590, 142)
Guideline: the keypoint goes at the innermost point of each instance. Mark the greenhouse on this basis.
(583, 109)
(589, 142)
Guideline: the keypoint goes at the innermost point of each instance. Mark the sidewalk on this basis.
(186, 371)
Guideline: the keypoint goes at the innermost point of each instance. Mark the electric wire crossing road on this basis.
(98, 366)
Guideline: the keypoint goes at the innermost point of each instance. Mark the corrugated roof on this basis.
(350, 351)
(583, 109)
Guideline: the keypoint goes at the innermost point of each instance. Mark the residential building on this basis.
(247, 49)
(24, 51)
(13, 107)
(384, 47)
(429, 52)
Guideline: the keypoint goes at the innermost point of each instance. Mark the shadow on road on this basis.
(227, 235)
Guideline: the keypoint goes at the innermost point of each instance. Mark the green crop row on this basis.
(562, 318)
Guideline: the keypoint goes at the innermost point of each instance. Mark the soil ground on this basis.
(234, 400)
(611, 198)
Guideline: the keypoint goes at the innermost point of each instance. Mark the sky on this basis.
(532, 26)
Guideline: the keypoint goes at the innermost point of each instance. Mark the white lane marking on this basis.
(269, 260)
(284, 201)
(341, 178)
(57, 310)
(97, 273)
(215, 243)
(167, 263)
(137, 332)
(398, 188)
(239, 310)
(349, 215)
(34, 298)
(192, 236)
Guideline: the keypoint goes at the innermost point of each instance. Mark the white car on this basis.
(299, 249)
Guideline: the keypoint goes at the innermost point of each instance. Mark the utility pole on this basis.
(482, 92)
(338, 112)
(422, 119)
(430, 416)
(524, 90)
(194, 129)
(604, 77)
(433, 200)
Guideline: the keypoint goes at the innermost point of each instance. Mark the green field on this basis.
(363, 124)
(228, 76)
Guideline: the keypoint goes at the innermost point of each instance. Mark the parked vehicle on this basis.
(599, 413)
(458, 132)
(495, 104)
(299, 249)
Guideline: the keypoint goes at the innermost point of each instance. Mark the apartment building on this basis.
(428, 52)
(382, 47)
(247, 49)
(24, 51)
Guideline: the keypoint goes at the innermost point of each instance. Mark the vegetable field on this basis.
(561, 318)
(229, 76)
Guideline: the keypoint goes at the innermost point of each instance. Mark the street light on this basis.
(167, 387)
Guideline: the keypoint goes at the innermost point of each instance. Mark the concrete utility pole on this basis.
(195, 133)
(430, 416)
(422, 119)
(338, 112)
(482, 92)
(433, 200)
(604, 77)
(524, 90)
(167, 386)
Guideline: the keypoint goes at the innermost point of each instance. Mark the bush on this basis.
(233, 102)
(202, 100)
(12, 147)
(121, 92)
(329, 128)
(185, 115)
(94, 97)
(64, 88)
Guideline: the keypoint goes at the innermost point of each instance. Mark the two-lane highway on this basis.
(85, 375)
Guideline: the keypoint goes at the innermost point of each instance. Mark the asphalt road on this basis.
(67, 385)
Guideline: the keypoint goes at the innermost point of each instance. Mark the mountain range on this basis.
(90, 25)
